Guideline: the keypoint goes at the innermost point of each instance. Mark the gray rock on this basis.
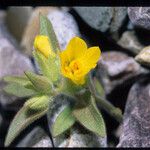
(4, 30)
(1, 120)
(136, 122)
(103, 18)
(11, 63)
(130, 26)
(118, 131)
(36, 138)
(77, 136)
(116, 68)
(64, 25)
(129, 41)
(144, 56)
(17, 19)
(119, 15)
(140, 16)
(66, 8)
(44, 142)
(97, 17)
(2, 17)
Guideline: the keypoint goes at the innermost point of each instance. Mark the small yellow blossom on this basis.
(42, 44)
(77, 60)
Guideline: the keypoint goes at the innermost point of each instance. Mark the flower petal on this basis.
(79, 81)
(77, 60)
(75, 48)
(41, 43)
(90, 59)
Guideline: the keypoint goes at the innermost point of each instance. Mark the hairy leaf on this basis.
(49, 67)
(23, 80)
(22, 119)
(18, 90)
(43, 64)
(90, 117)
(39, 102)
(46, 28)
(63, 121)
(54, 65)
(98, 87)
(40, 83)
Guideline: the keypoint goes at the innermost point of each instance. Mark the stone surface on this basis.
(4, 30)
(63, 23)
(44, 142)
(118, 132)
(2, 17)
(130, 26)
(12, 62)
(1, 119)
(66, 8)
(17, 19)
(103, 18)
(115, 68)
(140, 16)
(136, 122)
(77, 136)
(36, 138)
(97, 17)
(144, 56)
(129, 41)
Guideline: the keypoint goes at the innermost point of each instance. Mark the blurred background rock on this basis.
(122, 34)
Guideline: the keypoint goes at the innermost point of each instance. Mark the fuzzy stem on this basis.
(105, 104)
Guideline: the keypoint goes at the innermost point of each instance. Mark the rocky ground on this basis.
(122, 34)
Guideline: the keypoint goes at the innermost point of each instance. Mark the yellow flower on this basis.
(42, 44)
(77, 60)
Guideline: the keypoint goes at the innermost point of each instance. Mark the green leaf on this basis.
(43, 64)
(46, 28)
(99, 88)
(18, 90)
(23, 80)
(63, 121)
(30, 86)
(49, 67)
(38, 103)
(69, 88)
(54, 65)
(22, 119)
(90, 117)
(41, 83)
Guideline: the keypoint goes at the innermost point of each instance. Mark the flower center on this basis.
(74, 67)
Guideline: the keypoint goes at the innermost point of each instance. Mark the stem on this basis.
(105, 104)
